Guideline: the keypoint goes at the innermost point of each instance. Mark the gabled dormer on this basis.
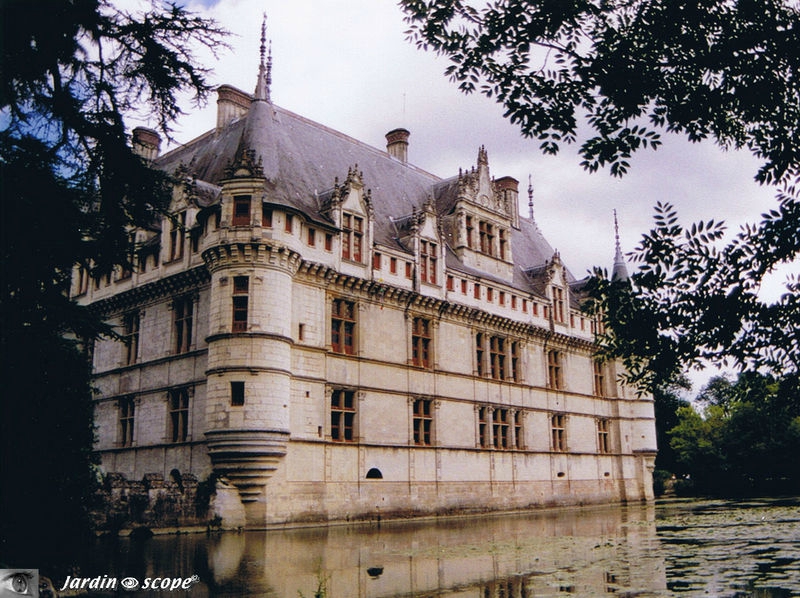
(482, 218)
(420, 233)
(557, 291)
(349, 207)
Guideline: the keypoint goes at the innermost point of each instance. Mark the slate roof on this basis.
(301, 160)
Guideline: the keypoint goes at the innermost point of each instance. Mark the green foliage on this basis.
(694, 301)
(717, 69)
(610, 76)
(72, 71)
(746, 439)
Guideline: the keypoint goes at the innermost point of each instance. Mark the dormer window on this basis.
(470, 232)
(241, 210)
(427, 258)
(352, 237)
(177, 226)
(486, 233)
(558, 305)
(503, 244)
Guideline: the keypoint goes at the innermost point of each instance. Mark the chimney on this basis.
(508, 188)
(146, 143)
(232, 103)
(397, 144)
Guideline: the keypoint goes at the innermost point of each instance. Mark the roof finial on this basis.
(264, 65)
(530, 197)
(620, 271)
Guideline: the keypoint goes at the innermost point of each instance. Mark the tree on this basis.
(624, 71)
(746, 438)
(72, 187)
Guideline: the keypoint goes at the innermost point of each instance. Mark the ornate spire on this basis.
(530, 198)
(620, 271)
(264, 66)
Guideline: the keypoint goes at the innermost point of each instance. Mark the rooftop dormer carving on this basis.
(245, 165)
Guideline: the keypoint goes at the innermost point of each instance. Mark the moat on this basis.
(691, 547)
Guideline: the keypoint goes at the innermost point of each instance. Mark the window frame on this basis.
(343, 326)
(240, 304)
(343, 413)
(558, 432)
(423, 422)
(127, 421)
(183, 323)
(178, 401)
(421, 342)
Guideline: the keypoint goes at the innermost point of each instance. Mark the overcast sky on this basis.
(346, 64)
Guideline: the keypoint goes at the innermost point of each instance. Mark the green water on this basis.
(688, 548)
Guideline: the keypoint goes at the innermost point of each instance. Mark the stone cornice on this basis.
(179, 283)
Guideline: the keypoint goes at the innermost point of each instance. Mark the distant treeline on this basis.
(736, 438)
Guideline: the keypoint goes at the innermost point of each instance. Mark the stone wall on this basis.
(152, 502)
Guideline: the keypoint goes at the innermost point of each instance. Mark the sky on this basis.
(348, 65)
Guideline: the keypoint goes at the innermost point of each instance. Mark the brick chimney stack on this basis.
(397, 144)
(146, 143)
(232, 103)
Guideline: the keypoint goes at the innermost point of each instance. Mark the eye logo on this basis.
(130, 583)
(19, 582)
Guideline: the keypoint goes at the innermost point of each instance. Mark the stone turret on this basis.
(249, 343)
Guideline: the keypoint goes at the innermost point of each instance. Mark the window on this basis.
(130, 334)
(524, 305)
(241, 288)
(423, 422)
(518, 430)
(237, 394)
(194, 238)
(427, 258)
(288, 223)
(393, 265)
(470, 232)
(603, 445)
(515, 372)
(352, 237)
(179, 414)
(126, 270)
(497, 357)
(376, 261)
(479, 353)
(183, 310)
(328, 242)
(500, 428)
(343, 413)
(241, 210)
(554, 380)
(343, 324)
(503, 244)
(558, 304)
(463, 287)
(176, 228)
(502, 298)
(409, 271)
(599, 379)
(489, 294)
(127, 412)
(312, 237)
(476, 291)
(483, 427)
(82, 284)
(451, 283)
(513, 302)
(486, 234)
(557, 424)
(266, 216)
(421, 342)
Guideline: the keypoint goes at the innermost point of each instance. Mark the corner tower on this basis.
(249, 342)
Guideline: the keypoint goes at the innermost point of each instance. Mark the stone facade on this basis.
(346, 336)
